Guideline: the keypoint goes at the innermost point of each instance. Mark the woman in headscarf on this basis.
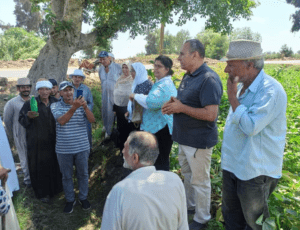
(46, 179)
(154, 121)
(141, 85)
(121, 97)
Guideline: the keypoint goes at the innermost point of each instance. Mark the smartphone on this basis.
(79, 93)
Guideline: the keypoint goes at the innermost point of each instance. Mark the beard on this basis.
(126, 165)
(25, 93)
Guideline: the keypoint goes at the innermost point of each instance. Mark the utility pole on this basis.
(162, 33)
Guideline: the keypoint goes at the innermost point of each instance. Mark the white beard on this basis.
(126, 165)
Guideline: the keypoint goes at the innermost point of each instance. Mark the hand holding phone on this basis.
(79, 93)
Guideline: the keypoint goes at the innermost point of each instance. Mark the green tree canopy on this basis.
(16, 43)
(245, 33)
(111, 16)
(286, 51)
(26, 19)
(216, 44)
(296, 16)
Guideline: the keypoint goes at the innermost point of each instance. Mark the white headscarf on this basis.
(141, 75)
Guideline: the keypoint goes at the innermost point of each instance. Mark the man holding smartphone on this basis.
(72, 143)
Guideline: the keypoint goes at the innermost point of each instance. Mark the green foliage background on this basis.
(284, 204)
(16, 43)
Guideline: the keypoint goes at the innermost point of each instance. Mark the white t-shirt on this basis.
(146, 199)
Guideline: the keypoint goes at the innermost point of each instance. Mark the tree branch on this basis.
(87, 41)
(58, 8)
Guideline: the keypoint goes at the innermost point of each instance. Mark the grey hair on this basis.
(147, 152)
(257, 63)
(196, 45)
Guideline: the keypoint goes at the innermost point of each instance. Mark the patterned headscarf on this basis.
(123, 88)
(123, 79)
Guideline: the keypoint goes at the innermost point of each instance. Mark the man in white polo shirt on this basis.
(147, 198)
(72, 144)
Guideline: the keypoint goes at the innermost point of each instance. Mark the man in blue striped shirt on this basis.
(254, 137)
(72, 144)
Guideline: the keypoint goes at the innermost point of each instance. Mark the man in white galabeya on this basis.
(146, 199)
(14, 128)
(254, 137)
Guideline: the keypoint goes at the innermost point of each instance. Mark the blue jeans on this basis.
(244, 201)
(65, 162)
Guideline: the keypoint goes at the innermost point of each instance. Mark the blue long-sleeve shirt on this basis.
(161, 92)
(254, 135)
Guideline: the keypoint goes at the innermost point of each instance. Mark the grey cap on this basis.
(64, 85)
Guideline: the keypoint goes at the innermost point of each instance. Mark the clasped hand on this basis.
(172, 106)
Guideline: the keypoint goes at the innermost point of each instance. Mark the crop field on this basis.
(284, 203)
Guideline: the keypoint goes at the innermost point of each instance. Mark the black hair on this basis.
(196, 45)
(167, 62)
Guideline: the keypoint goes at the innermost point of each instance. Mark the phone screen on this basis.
(79, 93)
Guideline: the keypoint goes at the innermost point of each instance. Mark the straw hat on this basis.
(23, 81)
(243, 50)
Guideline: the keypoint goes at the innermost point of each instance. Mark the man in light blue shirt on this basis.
(254, 136)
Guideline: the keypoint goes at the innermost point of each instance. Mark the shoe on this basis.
(196, 226)
(191, 212)
(69, 207)
(106, 135)
(85, 204)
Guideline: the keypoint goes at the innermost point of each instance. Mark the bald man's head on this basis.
(145, 145)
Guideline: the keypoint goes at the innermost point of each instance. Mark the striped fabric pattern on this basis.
(71, 138)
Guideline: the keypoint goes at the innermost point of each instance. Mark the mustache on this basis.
(26, 92)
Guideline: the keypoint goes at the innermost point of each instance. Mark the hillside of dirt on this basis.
(26, 64)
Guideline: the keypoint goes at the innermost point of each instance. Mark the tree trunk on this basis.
(53, 59)
(52, 62)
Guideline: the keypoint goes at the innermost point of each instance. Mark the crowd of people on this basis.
(57, 136)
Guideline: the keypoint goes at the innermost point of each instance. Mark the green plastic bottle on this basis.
(33, 104)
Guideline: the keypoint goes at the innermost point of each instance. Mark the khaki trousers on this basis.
(195, 167)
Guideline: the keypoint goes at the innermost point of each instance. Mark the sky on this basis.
(271, 19)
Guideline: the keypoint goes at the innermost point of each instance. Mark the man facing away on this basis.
(146, 199)
(254, 137)
(194, 127)
(72, 144)
(14, 128)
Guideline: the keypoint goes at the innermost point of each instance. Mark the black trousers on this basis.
(165, 142)
(123, 126)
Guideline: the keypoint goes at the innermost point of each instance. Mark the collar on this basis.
(51, 99)
(164, 79)
(199, 70)
(145, 169)
(254, 85)
(78, 86)
(22, 99)
(63, 102)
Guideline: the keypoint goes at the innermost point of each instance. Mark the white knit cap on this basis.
(43, 84)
